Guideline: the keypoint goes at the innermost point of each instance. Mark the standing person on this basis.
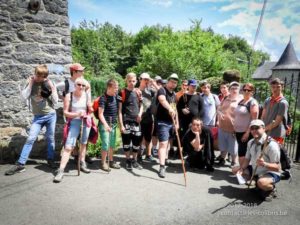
(108, 111)
(42, 96)
(226, 135)
(67, 86)
(275, 112)
(189, 105)
(184, 88)
(166, 110)
(130, 115)
(245, 112)
(147, 123)
(224, 88)
(197, 143)
(76, 105)
(268, 166)
(211, 102)
(157, 83)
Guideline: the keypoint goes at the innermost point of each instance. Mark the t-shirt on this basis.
(242, 117)
(162, 112)
(148, 95)
(211, 102)
(110, 106)
(40, 105)
(272, 154)
(130, 107)
(271, 111)
(227, 108)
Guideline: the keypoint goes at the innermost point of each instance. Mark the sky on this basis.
(236, 17)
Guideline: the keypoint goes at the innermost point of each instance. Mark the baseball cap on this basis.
(234, 83)
(76, 66)
(173, 76)
(257, 123)
(192, 82)
(157, 78)
(145, 76)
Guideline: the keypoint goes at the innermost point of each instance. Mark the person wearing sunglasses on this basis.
(77, 107)
(184, 88)
(245, 112)
(267, 172)
(42, 96)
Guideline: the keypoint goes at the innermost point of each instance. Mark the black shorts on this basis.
(242, 146)
(147, 129)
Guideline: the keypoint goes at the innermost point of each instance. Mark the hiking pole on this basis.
(255, 169)
(109, 140)
(180, 150)
(79, 152)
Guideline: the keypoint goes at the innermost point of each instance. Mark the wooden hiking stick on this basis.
(180, 150)
(260, 156)
(79, 152)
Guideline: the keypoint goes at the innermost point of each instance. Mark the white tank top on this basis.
(79, 104)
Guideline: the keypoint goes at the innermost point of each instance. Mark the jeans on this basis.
(75, 133)
(39, 121)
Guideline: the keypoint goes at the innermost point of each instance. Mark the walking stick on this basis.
(109, 140)
(79, 152)
(260, 156)
(180, 150)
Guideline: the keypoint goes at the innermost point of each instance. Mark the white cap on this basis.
(257, 123)
(145, 76)
(173, 76)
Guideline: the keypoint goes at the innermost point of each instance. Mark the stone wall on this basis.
(26, 40)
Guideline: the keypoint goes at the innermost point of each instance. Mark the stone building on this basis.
(32, 32)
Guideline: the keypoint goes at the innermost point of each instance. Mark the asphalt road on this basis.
(140, 197)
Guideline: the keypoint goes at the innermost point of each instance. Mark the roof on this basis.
(288, 59)
(264, 71)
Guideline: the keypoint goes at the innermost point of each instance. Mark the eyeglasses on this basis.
(185, 85)
(79, 71)
(254, 127)
(247, 90)
(81, 85)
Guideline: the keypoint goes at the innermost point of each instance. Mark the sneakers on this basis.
(162, 172)
(155, 151)
(114, 165)
(150, 158)
(221, 162)
(136, 165)
(271, 195)
(128, 164)
(59, 176)
(18, 168)
(84, 168)
(104, 166)
(51, 163)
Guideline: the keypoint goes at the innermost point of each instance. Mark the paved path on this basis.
(139, 197)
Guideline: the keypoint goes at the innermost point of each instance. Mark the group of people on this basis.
(149, 115)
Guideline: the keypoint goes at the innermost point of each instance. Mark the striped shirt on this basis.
(110, 106)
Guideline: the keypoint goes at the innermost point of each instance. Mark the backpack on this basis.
(96, 105)
(136, 90)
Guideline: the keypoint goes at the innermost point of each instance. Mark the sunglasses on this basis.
(81, 85)
(247, 90)
(254, 127)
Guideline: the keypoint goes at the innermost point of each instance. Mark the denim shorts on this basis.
(108, 139)
(74, 133)
(275, 177)
(227, 142)
(164, 131)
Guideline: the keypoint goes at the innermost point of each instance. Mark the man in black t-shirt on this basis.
(166, 110)
(130, 115)
(197, 143)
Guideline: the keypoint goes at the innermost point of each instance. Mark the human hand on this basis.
(245, 137)
(186, 111)
(260, 162)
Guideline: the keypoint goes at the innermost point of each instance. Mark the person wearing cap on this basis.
(67, 86)
(166, 114)
(189, 105)
(268, 166)
(184, 87)
(275, 112)
(226, 134)
(42, 102)
(147, 121)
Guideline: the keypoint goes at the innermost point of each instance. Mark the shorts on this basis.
(165, 131)
(275, 177)
(108, 139)
(242, 146)
(74, 133)
(147, 129)
(227, 142)
(131, 135)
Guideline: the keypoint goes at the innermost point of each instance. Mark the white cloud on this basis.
(164, 3)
